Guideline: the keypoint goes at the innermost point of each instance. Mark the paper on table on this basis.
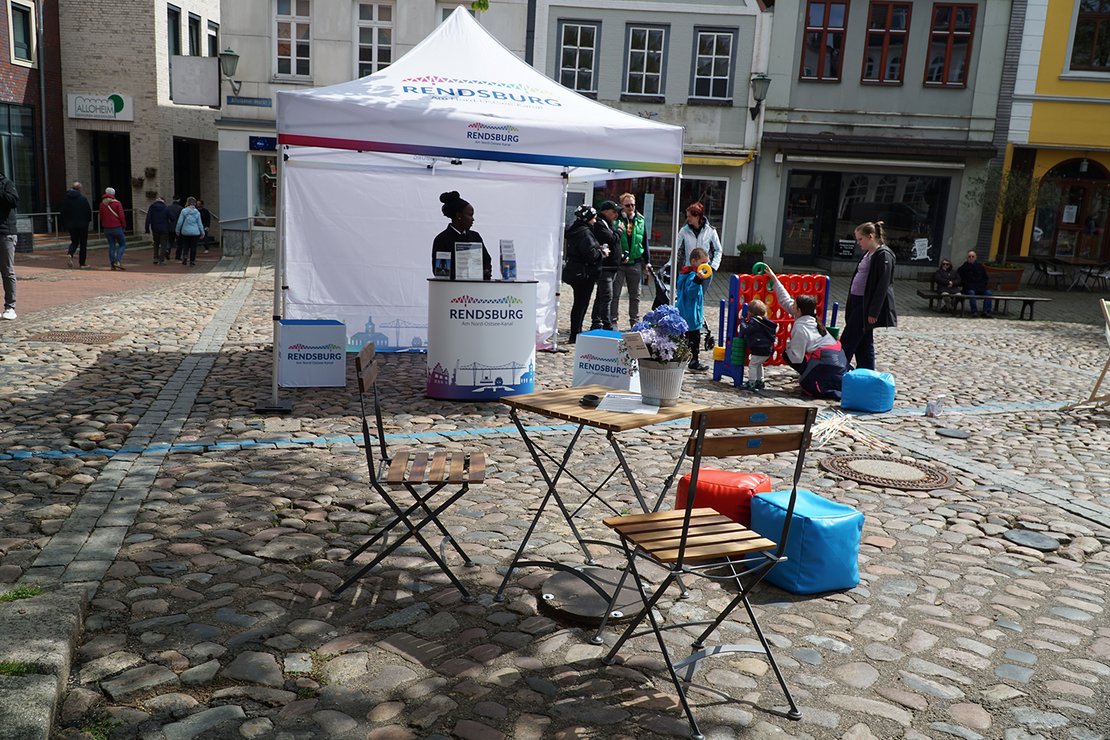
(468, 260)
(626, 403)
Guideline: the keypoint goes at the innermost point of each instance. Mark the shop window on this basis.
(293, 38)
(885, 190)
(823, 44)
(1090, 45)
(953, 28)
(713, 62)
(645, 60)
(264, 191)
(856, 192)
(578, 56)
(375, 37)
(22, 25)
(888, 26)
(17, 151)
(654, 199)
(711, 194)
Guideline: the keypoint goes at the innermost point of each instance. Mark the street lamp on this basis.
(760, 82)
(229, 62)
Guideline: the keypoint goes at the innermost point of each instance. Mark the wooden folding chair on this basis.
(700, 542)
(408, 470)
(1098, 397)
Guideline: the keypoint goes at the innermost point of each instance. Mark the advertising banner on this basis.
(481, 339)
(312, 354)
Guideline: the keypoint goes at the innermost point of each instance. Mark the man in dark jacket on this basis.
(159, 227)
(973, 276)
(9, 199)
(76, 217)
(174, 209)
(606, 235)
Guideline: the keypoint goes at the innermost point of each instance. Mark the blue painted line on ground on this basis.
(250, 444)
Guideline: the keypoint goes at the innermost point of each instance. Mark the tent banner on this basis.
(359, 245)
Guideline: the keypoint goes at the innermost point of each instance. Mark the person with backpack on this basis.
(159, 227)
(9, 199)
(189, 230)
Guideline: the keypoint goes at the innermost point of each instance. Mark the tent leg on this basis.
(274, 404)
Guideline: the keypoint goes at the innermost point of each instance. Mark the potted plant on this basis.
(749, 253)
(664, 333)
(1009, 196)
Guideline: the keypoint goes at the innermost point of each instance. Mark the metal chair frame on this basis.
(445, 469)
(1096, 399)
(702, 543)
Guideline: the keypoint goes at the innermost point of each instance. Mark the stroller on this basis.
(662, 278)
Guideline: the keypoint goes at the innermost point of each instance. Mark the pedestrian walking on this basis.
(206, 219)
(76, 215)
(870, 296)
(159, 227)
(113, 222)
(9, 199)
(189, 229)
(175, 208)
(632, 230)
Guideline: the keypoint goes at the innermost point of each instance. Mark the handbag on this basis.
(574, 272)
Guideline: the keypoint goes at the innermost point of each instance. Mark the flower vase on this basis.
(661, 382)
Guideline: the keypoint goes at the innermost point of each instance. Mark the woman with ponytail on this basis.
(870, 297)
(811, 350)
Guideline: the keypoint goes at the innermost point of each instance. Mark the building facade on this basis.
(30, 107)
(293, 44)
(878, 111)
(122, 127)
(687, 64)
(1059, 132)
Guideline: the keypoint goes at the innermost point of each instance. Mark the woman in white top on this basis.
(811, 349)
(697, 232)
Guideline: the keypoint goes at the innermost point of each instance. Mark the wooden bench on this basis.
(1027, 302)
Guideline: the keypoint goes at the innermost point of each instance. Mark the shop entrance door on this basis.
(186, 169)
(110, 160)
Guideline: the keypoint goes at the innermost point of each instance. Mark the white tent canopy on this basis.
(367, 160)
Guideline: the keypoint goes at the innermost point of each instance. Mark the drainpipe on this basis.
(42, 108)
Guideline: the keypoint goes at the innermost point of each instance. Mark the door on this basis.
(110, 157)
(186, 169)
(800, 222)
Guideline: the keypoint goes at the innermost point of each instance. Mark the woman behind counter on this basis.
(461, 214)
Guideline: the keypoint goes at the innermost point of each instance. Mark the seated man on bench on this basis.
(947, 282)
(973, 276)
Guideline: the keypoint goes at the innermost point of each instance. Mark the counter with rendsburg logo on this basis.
(481, 339)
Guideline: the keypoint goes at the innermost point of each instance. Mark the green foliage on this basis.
(1011, 195)
(21, 592)
(751, 248)
(14, 668)
(479, 6)
(99, 726)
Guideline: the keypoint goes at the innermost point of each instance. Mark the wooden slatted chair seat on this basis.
(710, 537)
(410, 467)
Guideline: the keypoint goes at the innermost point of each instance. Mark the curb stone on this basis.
(41, 632)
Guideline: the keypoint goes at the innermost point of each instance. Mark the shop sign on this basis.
(110, 107)
(846, 248)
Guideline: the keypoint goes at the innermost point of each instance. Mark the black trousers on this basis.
(599, 319)
(187, 246)
(582, 292)
(693, 338)
(858, 338)
(79, 241)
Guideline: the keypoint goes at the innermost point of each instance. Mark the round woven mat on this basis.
(908, 475)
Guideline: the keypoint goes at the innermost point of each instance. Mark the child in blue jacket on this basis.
(691, 304)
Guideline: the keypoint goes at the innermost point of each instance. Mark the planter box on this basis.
(1004, 278)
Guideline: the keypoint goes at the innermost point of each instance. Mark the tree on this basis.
(1010, 196)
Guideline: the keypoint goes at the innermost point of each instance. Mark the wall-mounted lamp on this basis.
(229, 62)
(760, 82)
(1083, 165)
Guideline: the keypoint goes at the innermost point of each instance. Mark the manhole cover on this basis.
(909, 475)
(80, 337)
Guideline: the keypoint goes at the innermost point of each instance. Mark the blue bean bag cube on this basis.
(822, 547)
(867, 390)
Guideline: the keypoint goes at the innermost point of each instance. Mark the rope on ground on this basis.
(835, 424)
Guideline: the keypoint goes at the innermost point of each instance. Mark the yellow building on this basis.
(1060, 130)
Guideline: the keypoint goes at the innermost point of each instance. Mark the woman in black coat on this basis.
(583, 265)
(461, 214)
(870, 297)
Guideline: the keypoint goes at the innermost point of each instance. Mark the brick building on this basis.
(30, 81)
(122, 126)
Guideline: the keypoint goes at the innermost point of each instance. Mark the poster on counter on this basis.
(468, 260)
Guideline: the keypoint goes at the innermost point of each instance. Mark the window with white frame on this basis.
(1090, 45)
(374, 27)
(885, 190)
(888, 26)
(713, 61)
(21, 21)
(647, 51)
(578, 56)
(293, 38)
(446, 9)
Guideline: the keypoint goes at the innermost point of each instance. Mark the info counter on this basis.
(481, 339)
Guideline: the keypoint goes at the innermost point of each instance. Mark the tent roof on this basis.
(461, 94)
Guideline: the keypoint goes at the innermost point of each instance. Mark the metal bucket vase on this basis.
(661, 382)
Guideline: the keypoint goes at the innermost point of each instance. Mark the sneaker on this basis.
(84, 267)
(192, 264)
(697, 367)
(69, 261)
(9, 314)
(119, 266)
(988, 316)
(115, 266)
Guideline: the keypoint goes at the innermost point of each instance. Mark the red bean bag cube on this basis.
(728, 492)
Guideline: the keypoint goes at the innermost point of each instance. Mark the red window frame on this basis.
(888, 34)
(948, 36)
(1099, 19)
(826, 31)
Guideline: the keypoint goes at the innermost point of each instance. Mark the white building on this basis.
(122, 128)
(290, 44)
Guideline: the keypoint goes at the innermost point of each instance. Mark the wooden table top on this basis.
(562, 403)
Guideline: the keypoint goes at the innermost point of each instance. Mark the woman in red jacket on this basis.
(113, 221)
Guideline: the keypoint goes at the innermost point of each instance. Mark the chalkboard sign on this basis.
(846, 248)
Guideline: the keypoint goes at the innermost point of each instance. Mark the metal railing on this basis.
(47, 224)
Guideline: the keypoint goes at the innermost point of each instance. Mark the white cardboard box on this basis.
(596, 360)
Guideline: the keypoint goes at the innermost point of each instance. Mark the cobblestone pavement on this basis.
(211, 539)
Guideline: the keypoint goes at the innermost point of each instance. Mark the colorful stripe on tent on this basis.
(499, 156)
